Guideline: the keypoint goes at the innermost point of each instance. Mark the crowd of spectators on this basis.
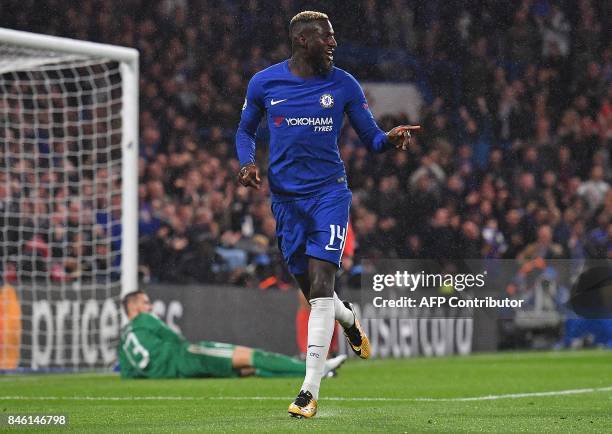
(513, 160)
(60, 175)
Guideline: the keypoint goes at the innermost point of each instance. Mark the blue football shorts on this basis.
(312, 227)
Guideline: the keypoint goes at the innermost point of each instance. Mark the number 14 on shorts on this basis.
(337, 237)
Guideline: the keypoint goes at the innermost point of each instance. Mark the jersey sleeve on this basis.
(362, 120)
(252, 111)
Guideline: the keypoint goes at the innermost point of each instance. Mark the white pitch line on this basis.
(284, 398)
(523, 395)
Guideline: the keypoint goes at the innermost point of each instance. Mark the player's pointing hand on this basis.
(249, 176)
(401, 135)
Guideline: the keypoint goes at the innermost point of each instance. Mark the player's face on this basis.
(143, 304)
(321, 46)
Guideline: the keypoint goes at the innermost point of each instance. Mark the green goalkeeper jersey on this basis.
(148, 348)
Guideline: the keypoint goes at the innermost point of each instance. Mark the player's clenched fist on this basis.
(400, 136)
(249, 176)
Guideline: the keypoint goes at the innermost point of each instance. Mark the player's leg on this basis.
(326, 241)
(324, 245)
(355, 335)
(320, 330)
(324, 248)
(304, 283)
(343, 314)
(264, 362)
(303, 314)
(206, 359)
(220, 360)
(321, 324)
(267, 364)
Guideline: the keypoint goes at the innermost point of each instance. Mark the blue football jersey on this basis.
(305, 117)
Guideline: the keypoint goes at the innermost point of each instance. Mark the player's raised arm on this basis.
(252, 111)
(371, 135)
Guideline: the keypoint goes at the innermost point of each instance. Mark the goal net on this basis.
(68, 196)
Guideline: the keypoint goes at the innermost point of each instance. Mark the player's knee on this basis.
(242, 357)
(322, 283)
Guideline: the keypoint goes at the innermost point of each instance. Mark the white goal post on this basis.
(68, 198)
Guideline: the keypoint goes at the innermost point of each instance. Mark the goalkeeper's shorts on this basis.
(207, 359)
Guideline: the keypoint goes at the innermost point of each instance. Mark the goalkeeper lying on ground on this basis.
(148, 348)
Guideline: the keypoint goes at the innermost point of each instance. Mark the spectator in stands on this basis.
(514, 157)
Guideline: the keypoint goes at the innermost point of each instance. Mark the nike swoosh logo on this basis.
(330, 248)
(356, 349)
(272, 102)
(319, 346)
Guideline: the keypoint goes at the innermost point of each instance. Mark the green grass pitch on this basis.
(506, 392)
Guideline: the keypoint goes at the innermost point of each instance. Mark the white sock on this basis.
(320, 331)
(343, 314)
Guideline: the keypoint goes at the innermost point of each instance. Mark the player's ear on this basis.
(302, 40)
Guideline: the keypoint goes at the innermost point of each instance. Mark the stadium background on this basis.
(513, 162)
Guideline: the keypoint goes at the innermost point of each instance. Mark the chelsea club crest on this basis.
(326, 100)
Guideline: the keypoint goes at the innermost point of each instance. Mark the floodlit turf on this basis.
(378, 395)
